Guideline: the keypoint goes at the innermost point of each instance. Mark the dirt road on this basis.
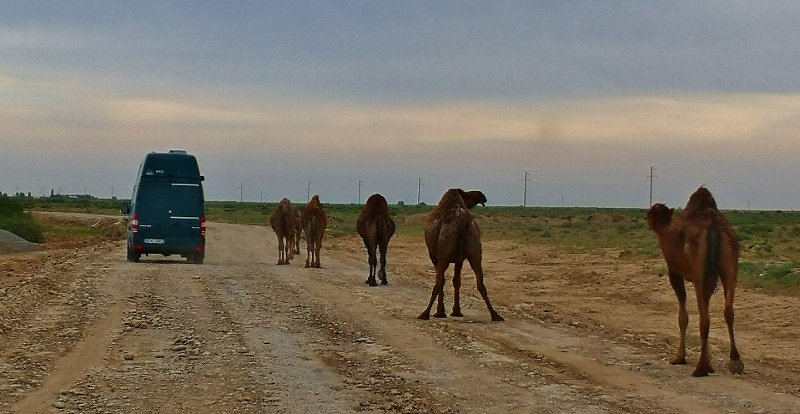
(82, 330)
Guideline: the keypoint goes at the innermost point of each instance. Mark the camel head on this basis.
(473, 198)
(659, 216)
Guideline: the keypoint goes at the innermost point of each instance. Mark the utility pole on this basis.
(652, 170)
(525, 190)
(241, 192)
(308, 190)
(360, 184)
(419, 189)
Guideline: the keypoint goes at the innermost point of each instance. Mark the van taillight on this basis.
(202, 226)
(134, 223)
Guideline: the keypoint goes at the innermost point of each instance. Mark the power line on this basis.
(652, 170)
(525, 190)
(419, 189)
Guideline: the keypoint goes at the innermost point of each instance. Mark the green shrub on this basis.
(14, 219)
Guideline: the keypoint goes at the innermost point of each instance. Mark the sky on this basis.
(408, 98)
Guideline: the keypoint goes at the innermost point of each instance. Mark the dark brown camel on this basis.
(376, 227)
(298, 231)
(283, 222)
(314, 221)
(452, 236)
(700, 246)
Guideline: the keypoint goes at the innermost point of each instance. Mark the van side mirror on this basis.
(124, 208)
(202, 178)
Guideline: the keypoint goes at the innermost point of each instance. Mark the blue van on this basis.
(167, 211)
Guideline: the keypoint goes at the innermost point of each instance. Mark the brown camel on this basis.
(283, 222)
(700, 246)
(452, 236)
(376, 227)
(314, 221)
(298, 231)
(473, 198)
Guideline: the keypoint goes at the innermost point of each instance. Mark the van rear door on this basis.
(152, 208)
(185, 209)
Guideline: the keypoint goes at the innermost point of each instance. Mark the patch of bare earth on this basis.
(82, 330)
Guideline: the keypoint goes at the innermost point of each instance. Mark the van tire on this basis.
(133, 256)
(196, 258)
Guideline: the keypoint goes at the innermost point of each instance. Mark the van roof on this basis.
(169, 164)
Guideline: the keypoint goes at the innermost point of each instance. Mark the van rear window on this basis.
(186, 199)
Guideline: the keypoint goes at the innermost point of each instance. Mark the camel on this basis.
(376, 227)
(314, 221)
(298, 231)
(283, 223)
(452, 236)
(699, 246)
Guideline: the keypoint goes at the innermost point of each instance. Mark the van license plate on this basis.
(154, 241)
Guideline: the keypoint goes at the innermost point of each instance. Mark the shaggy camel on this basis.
(376, 227)
(700, 246)
(314, 221)
(452, 236)
(298, 231)
(283, 222)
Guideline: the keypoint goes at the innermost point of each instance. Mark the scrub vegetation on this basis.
(13, 218)
(770, 240)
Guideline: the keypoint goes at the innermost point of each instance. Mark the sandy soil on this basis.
(84, 331)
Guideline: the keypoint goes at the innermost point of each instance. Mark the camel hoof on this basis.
(307, 266)
(497, 318)
(700, 372)
(457, 314)
(678, 361)
(439, 315)
(384, 282)
(371, 282)
(424, 316)
(736, 366)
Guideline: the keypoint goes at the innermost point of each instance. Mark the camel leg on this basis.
(440, 313)
(683, 317)
(456, 289)
(475, 263)
(287, 249)
(735, 365)
(317, 248)
(280, 251)
(704, 363)
(373, 264)
(438, 289)
(382, 272)
(309, 248)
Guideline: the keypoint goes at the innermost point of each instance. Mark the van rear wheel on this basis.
(132, 255)
(196, 258)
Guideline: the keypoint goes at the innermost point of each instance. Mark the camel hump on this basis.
(701, 199)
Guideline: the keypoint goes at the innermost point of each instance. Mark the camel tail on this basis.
(710, 275)
(313, 228)
(379, 229)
